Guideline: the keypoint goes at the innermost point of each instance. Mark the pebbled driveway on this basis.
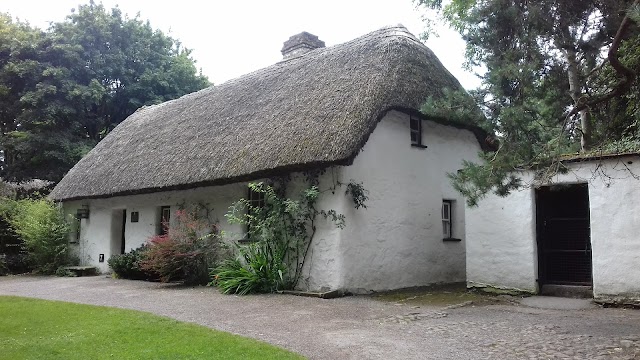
(361, 327)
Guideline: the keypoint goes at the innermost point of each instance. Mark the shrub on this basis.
(64, 272)
(187, 252)
(260, 268)
(17, 262)
(4, 270)
(128, 265)
(42, 227)
(12, 248)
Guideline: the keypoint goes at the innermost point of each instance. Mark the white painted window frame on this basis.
(447, 219)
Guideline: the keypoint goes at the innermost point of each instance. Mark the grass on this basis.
(40, 329)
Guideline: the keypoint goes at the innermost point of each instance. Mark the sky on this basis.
(232, 38)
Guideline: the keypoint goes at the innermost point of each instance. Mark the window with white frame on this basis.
(447, 219)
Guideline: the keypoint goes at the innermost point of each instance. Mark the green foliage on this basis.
(4, 269)
(187, 252)
(261, 268)
(358, 194)
(128, 265)
(281, 232)
(44, 230)
(53, 330)
(63, 272)
(12, 247)
(542, 59)
(62, 90)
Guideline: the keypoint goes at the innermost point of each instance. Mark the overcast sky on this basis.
(231, 38)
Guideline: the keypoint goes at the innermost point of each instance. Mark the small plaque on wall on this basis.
(135, 216)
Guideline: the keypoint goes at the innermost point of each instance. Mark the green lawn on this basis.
(40, 329)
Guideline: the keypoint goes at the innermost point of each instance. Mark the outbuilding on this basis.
(576, 233)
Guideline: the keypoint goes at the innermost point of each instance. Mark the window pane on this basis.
(446, 229)
(414, 124)
(446, 211)
(165, 217)
(414, 137)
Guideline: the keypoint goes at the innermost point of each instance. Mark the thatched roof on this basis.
(314, 110)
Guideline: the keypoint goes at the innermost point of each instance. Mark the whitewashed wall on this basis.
(501, 248)
(323, 268)
(100, 233)
(501, 242)
(397, 241)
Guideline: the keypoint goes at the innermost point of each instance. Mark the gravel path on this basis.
(363, 328)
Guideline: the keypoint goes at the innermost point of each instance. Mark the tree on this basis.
(72, 84)
(561, 78)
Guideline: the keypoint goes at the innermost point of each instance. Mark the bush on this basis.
(4, 270)
(12, 249)
(187, 252)
(259, 269)
(128, 265)
(42, 227)
(17, 262)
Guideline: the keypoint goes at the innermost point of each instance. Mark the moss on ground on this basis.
(440, 296)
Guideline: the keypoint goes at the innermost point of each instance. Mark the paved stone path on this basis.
(361, 327)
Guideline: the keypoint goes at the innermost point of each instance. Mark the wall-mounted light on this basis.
(83, 212)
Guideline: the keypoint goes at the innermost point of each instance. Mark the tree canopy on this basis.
(561, 78)
(62, 90)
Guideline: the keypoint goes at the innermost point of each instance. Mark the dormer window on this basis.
(415, 127)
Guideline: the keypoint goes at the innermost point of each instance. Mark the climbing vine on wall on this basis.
(280, 232)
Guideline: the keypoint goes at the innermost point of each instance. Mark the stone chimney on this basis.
(300, 44)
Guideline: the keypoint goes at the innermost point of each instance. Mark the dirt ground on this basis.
(444, 323)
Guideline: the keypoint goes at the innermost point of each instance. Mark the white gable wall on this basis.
(397, 241)
(501, 248)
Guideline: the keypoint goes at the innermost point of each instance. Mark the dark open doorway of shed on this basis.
(564, 242)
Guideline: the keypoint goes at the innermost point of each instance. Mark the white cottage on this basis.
(351, 109)
(578, 232)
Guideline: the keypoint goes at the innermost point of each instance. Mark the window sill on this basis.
(451, 240)
(419, 146)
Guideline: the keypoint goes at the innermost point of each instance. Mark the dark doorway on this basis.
(564, 244)
(124, 225)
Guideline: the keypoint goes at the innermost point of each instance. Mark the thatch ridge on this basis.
(310, 111)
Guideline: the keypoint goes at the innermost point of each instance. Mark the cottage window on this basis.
(165, 218)
(256, 202)
(415, 128)
(446, 219)
(256, 199)
(135, 216)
